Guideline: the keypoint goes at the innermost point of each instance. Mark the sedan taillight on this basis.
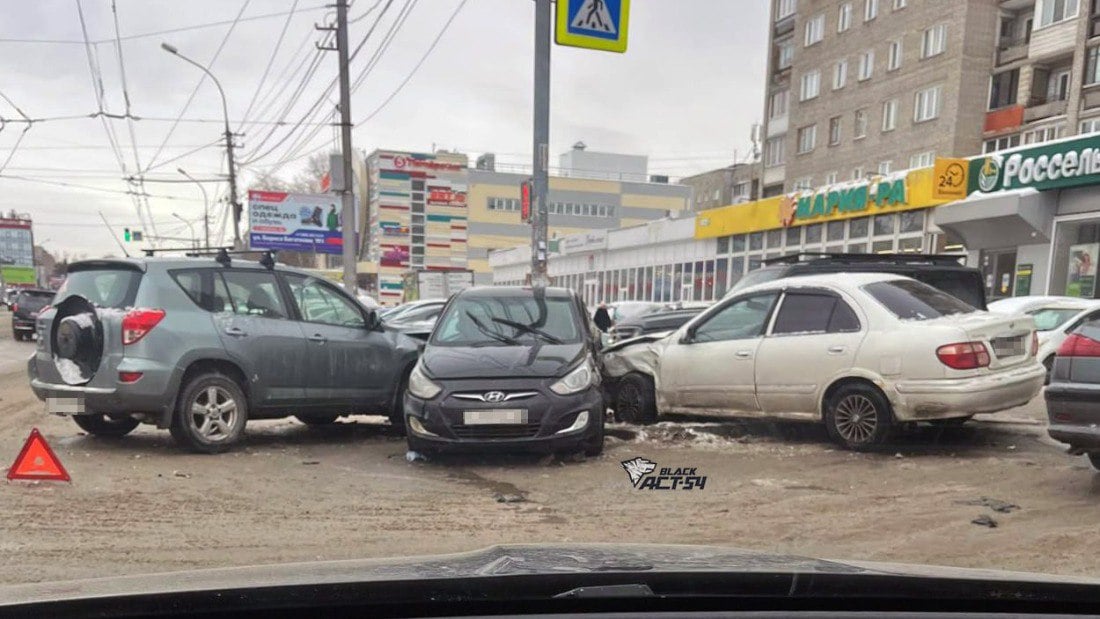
(1077, 345)
(138, 322)
(964, 355)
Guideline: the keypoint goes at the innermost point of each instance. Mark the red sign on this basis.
(326, 182)
(446, 197)
(267, 196)
(525, 200)
(401, 161)
(37, 461)
(24, 224)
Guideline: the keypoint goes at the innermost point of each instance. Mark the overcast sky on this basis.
(685, 93)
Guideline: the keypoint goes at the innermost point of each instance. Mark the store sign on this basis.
(402, 162)
(950, 178)
(1068, 163)
(844, 200)
(588, 241)
(1023, 279)
(13, 275)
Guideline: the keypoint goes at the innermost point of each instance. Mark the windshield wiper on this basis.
(519, 326)
(500, 337)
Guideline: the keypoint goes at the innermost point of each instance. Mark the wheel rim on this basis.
(630, 402)
(213, 413)
(856, 418)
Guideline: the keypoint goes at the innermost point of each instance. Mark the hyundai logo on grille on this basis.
(494, 396)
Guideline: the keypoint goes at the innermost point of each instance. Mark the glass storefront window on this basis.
(857, 228)
(721, 272)
(708, 280)
(677, 276)
(882, 247)
(647, 283)
(794, 237)
(813, 234)
(756, 241)
(910, 245)
(834, 249)
(834, 231)
(737, 269)
(723, 245)
(754, 263)
(911, 221)
(884, 224)
(775, 239)
(857, 248)
(737, 243)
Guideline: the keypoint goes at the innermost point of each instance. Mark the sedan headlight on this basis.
(421, 386)
(581, 378)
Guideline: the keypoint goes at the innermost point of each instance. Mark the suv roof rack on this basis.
(900, 259)
(221, 254)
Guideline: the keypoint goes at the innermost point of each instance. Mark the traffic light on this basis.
(525, 200)
(126, 234)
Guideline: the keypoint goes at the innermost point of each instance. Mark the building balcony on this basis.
(1057, 39)
(777, 126)
(785, 25)
(1003, 119)
(1044, 109)
(1011, 50)
(1090, 96)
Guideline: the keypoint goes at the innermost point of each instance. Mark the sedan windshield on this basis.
(913, 300)
(479, 321)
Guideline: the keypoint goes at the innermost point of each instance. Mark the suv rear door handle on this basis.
(743, 354)
(235, 331)
(836, 350)
(317, 337)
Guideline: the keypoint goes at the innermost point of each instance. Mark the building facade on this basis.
(858, 87)
(579, 162)
(729, 185)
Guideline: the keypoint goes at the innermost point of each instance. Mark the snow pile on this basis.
(70, 371)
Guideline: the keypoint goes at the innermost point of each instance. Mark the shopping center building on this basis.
(1028, 217)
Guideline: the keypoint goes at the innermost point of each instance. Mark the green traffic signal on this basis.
(126, 234)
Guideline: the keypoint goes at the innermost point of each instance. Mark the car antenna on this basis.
(113, 235)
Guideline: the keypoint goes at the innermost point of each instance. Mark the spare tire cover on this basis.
(76, 339)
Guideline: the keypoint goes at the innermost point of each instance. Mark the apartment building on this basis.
(864, 87)
(732, 184)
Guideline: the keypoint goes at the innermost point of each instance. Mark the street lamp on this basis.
(190, 226)
(171, 49)
(205, 207)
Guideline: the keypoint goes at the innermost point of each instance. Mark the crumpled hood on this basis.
(507, 560)
(504, 361)
(638, 354)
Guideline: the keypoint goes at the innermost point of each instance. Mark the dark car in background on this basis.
(655, 322)
(25, 307)
(508, 369)
(943, 271)
(1073, 395)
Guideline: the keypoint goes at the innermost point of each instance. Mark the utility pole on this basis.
(347, 191)
(540, 213)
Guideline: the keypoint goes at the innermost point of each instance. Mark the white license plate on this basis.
(65, 406)
(497, 416)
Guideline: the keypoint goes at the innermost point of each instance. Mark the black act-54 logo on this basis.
(642, 476)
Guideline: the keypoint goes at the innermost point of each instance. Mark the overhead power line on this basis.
(271, 61)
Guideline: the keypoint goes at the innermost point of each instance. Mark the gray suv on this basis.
(201, 345)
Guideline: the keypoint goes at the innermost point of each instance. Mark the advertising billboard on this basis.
(295, 222)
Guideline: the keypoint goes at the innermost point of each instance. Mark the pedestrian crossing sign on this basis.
(595, 24)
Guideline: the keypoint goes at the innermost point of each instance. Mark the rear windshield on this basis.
(1050, 318)
(508, 320)
(912, 300)
(115, 288)
(34, 299)
(964, 285)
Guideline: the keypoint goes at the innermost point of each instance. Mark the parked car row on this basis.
(25, 306)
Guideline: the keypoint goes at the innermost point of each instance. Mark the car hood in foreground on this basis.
(490, 573)
(503, 361)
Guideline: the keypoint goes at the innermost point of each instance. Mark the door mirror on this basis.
(373, 321)
(689, 336)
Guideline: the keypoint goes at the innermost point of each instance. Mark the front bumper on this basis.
(1074, 413)
(946, 398)
(547, 414)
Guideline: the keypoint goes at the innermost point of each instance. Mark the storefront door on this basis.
(998, 272)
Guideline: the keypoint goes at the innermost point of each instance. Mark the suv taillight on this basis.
(964, 355)
(137, 322)
(14, 307)
(1077, 345)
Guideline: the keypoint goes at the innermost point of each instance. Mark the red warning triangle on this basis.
(37, 461)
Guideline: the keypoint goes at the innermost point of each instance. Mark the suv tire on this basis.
(634, 400)
(210, 414)
(102, 425)
(858, 417)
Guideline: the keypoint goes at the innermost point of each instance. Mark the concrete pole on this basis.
(540, 211)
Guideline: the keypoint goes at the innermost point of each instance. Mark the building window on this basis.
(840, 74)
(934, 41)
(857, 174)
(870, 9)
(1058, 85)
(1044, 134)
(893, 60)
(884, 167)
(1092, 66)
(815, 29)
(785, 8)
(866, 64)
(927, 104)
(740, 192)
(777, 108)
(1002, 89)
(786, 53)
(807, 139)
(1054, 11)
(890, 115)
(922, 160)
(900, 4)
(859, 126)
(1008, 141)
(811, 85)
(830, 178)
(834, 131)
(1091, 125)
(844, 18)
(802, 184)
(775, 152)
